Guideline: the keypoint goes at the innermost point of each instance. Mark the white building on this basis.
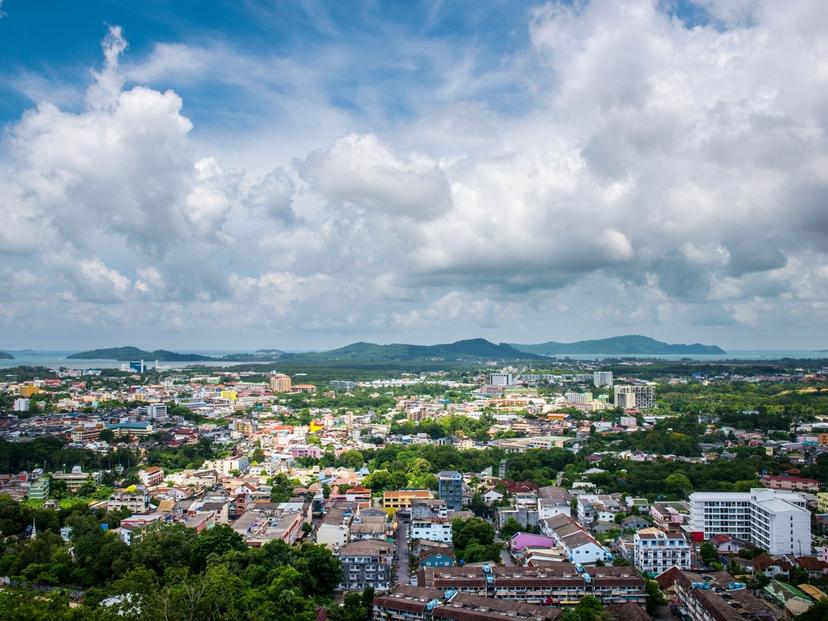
(602, 378)
(21, 405)
(157, 410)
(227, 465)
(501, 379)
(776, 521)
(644, 396)
(431, 530)
(583, 398)
(655, 551)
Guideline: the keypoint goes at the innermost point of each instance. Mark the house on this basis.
(438, 557)
(634, 522)
(492, 496)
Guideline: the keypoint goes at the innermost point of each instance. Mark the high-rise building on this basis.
(279, 382)
(644, 396)
(342, 384)
(450, 488)
(581, 398)
(775, 521)
(602, 378)
(501, 379)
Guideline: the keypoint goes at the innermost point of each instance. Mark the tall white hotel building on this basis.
(776, 521)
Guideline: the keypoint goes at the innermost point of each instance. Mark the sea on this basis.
(58, 359)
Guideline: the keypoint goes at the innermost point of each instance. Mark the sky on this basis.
(300, 175)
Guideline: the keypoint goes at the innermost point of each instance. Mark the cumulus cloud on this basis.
(666, 177)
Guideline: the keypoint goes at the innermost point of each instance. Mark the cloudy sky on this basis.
(306, 174)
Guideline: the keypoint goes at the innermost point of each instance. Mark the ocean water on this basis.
(58, 359)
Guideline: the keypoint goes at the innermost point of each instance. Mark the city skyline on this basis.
(304, 175)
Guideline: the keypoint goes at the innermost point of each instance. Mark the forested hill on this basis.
(618, 345)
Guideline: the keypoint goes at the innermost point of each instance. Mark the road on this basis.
(403, 574)
(505, 558)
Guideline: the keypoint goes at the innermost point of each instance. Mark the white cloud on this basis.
(667, 176)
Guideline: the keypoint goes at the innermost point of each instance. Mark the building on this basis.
(135, 502)
(366, 564)
(501, 379)
(87, 432)
(408, 603)
(712, 596)
(157, 410)
(655, 551)
(776, 521)
(39, 490)
(151, 476)
(602, 378)
(430, 520)
(402, 499)
(559, 584)
(229, 465)
(334, 530)
(346, 385)
(575, 542)
(643, 396)
(21, 405)
(450, 488)
(75, 478)
(580, 398)
(279, 382)
(796, 484)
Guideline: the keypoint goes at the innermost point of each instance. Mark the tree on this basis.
(588, 609)
(214, 541)
(709, 554)
(163, 546)
(106, 435)
(679, 483)
(511, 527)
(321, 570)
(655, 598)
(465, 533)
(281, 488)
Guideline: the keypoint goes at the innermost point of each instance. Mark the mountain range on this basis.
(631, 344)
(465, 350)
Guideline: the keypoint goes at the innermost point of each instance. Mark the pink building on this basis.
(306, 450)
(797, 484)
(520, 541)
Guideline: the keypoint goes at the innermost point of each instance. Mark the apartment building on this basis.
(713, 596)
(279, 382)
(135, 502)
(553, 501)
(655, 551)
(794, 484)
(151, 476)
(600, 507)
(407, 603)
(776, 521)
(602, 378)
(366, 564)
(561, 584)
(430, 521)
(39, 490)
(636, 396)
(450, 488)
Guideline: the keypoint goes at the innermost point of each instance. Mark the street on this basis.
(402, 553)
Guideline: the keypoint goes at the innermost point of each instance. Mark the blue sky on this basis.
(305, 174)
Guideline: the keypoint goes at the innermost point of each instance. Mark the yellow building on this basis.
(230, 395)
(279, 382)
(27, 390)
(822, 502)
(402, 499)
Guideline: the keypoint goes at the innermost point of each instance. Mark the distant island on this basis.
(133, 353)
(631, 344)
(6, 356)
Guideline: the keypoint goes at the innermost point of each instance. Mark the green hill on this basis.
(470, 349)
(618, 345)
(6, 356)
